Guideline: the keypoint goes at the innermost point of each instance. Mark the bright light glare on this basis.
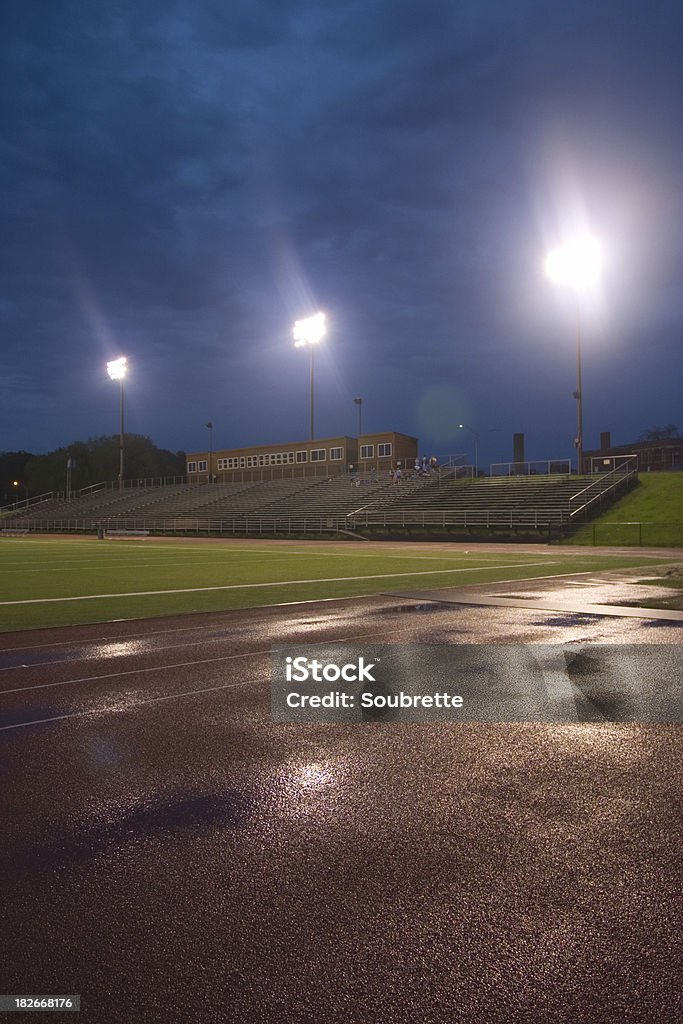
(577, 263)
(117, 368)
(309, 331)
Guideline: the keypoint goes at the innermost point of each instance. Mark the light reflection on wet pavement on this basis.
(199, 862)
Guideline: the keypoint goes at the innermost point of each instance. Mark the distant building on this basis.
(327, 456)
(652, 455)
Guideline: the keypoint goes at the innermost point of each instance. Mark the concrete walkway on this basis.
(579, 593)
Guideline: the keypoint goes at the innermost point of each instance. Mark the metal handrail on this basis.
(37, 499)
(620, 474)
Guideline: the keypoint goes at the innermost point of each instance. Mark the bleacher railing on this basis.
(154, 481)
(610, 485)
(265, 524)
(27, 502)
(539, 467)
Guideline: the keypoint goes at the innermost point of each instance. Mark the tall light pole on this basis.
(310, 332)
(576, 264)
(209, 427)
(475, 435)
(359, 403)
(117, 370)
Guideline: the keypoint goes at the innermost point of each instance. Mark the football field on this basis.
(49, 581)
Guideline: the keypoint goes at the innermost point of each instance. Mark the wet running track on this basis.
(172, 855)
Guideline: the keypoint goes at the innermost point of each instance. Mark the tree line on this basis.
(93, 461)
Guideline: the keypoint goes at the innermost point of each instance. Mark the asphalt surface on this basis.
(172, 855)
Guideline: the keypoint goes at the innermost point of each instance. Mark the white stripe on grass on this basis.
(278, 583)
(200, 557)
(214, 563)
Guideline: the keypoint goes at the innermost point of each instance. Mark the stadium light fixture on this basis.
(475, 435)
(577, 265)
(117, 370)
(310, 332)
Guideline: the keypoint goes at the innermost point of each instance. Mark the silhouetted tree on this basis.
(12, 467)
(660, 433)
(97, 460)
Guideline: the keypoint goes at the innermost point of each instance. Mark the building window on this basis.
(317, 455)
(302, 456)
(367, 451)
(336, 453)
(201, 466)
(290, 456)
(192, 467)
(383, 451)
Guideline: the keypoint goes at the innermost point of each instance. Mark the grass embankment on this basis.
(651, 514)
(56, 582)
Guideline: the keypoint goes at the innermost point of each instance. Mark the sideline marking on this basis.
(279, 583)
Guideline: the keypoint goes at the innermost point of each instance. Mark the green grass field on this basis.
(651, 514)
(57, 582)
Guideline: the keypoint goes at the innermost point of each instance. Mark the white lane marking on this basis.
(140, 703)
(129, 672)
(278, 583)
(162, 668)
(170, 696)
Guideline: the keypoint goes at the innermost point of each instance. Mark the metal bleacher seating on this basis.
(345, 503)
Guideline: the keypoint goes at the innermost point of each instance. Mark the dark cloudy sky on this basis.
(179, 182)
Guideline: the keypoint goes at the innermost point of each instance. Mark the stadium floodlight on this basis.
(311, 332)
(117, 370)
(576, 264)
(475, 435)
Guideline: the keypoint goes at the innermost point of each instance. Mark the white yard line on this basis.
(279, 583)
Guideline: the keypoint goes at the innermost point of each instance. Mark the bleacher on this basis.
(485, 502)
(345, 503)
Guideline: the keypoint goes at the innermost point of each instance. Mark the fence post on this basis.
(640, 535)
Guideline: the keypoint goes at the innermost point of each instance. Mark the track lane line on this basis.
(133, 707)
(182, 664)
